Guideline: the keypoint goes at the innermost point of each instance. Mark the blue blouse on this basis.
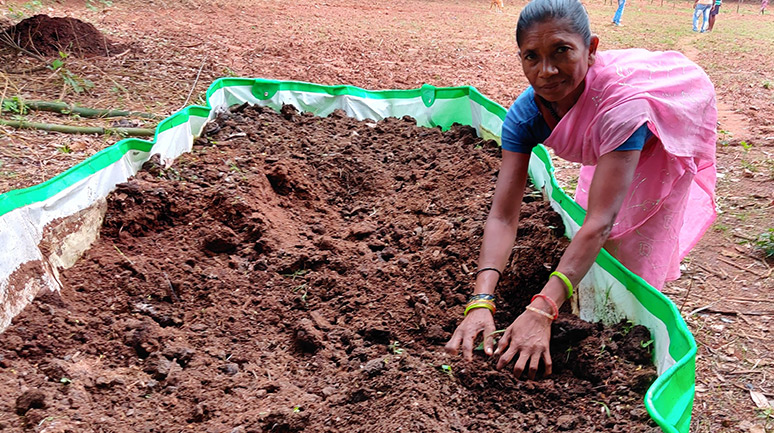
(524, 127)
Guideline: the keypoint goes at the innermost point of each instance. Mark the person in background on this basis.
(618, 13)
(644, 127)
(764, 3)
(713, 14)
(701, 8)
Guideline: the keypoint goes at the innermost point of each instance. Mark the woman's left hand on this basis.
(528, 336)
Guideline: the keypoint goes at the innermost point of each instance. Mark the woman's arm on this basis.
(503, 219)
(496, 246)
(530, 333)
(609, 186)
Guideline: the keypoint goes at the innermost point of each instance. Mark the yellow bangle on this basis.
(565, 280)
(480, 304)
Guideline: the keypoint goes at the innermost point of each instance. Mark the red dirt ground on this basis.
(296, 273)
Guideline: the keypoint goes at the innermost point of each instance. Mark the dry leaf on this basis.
(757, 429)
(760, 400)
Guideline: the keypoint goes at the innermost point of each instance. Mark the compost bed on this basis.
(298, 273)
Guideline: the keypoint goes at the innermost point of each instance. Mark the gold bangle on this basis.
(539, 311)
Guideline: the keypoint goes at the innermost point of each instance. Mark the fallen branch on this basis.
(731, 312)
(734, 298)
(134, 132)
(193, 86)
(65, 108)
(717, 274)
(739, 267)
(685, 298)
(6, 40)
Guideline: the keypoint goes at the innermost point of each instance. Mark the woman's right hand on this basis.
(477, 321)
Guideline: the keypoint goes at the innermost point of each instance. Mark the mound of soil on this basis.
(296, 273)
(48, 36)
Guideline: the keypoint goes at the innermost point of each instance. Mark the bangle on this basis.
(550, 302)
(481, 297)
(499, 274)
(539, 311)
(481, 300)
(489, 305)
(565, 280)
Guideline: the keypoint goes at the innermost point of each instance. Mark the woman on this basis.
(643, 126)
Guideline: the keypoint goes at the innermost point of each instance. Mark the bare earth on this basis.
(174, 50)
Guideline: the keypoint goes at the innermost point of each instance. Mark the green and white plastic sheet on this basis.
(608, 293)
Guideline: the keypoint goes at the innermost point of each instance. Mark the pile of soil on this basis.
(48, 36)
(297, 273)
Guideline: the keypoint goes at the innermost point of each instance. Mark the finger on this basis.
(504, 342)
(489, 331)
(534, 363)
(506, 357)
(547, 362)
(467, 346)
(518, 368)
(454, 344)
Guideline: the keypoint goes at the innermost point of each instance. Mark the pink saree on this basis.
(670, 203)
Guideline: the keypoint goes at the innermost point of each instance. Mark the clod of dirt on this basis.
(48, 36)
(32, 399)
(307, 337)
(157, 366)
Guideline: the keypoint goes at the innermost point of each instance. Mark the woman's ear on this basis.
(593, 44)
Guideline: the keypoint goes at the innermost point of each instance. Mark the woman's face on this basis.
(555, 60)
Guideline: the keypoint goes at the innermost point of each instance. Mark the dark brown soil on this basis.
(48, 36)
(296, 273)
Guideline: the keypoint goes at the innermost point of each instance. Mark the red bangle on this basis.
(550, 302)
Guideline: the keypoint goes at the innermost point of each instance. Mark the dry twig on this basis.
(728, 262)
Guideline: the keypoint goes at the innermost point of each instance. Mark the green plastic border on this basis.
(22, 197)
(669, 400)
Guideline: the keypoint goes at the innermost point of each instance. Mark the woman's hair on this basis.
(572, 11)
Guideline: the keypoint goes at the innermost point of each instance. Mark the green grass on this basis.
(765, 242)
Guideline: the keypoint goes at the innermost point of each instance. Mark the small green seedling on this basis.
(78, 84)
(298, 273)
(646, 344)
(448, 370)
(395, 348)
(65, 148)
(45, 420)
(602, 349)
(627, 327)
(605, 407)
(296, 409)
(65, 381)
(303, 290)
(481, 345)
(767, 414)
